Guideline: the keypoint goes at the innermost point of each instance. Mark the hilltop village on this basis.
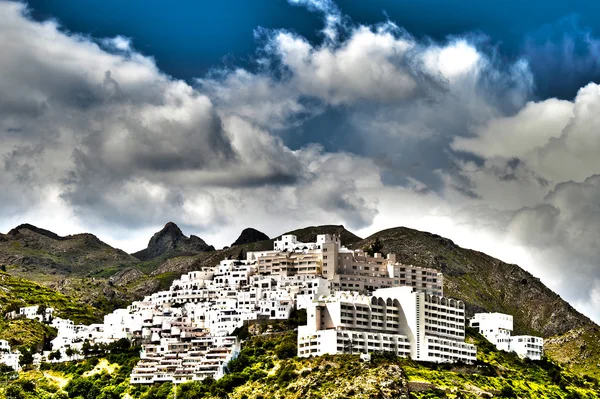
(355, 302)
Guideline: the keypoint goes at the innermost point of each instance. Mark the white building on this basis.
(35, 313)
(290, 242)
(527, 346)
(8, 357)
(400, 320)
(497, 328)
(191, 359)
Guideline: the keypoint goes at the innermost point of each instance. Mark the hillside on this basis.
(17, 292)
(267, 367)
(483, 282)
(75, 265)
(488, 284)
(33, 252)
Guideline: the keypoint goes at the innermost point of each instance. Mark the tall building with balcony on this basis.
(399, 320)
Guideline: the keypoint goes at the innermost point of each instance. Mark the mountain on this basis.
(75, 265)
(171, 241)
(250, 235)
(309, 234)
(483, 282)
(40, 254)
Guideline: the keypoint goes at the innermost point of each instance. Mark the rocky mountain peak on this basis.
(250, 235)
(171, 240)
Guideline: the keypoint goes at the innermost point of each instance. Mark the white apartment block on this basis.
(290, 242)
(352, 270)
(497, 328)
(400, 320)
(190, 359)
(8, 357)
(203, 307)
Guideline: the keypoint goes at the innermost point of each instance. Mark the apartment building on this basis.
(182, 360)
(353, 270)
(399, 320)
(358, 271)
(497, 328)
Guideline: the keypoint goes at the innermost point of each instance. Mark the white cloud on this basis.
(435, 136)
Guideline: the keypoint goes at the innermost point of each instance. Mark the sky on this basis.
(473, 120)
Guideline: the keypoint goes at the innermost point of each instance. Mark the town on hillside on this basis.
(355, 302)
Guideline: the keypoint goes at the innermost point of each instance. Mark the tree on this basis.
(375, 247)
(286, 350)
(110, 392)
(26, 357)
(508, 392)
(70, 352)
(86, 348)
(56, 355)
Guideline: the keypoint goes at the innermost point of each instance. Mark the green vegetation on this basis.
(500, 374)
(267, 367)
(26, 334)
(16, 292)
(578, 350)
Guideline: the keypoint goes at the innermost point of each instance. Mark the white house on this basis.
(497, 328)
(34, 313)
(8, 357)
(527, 346)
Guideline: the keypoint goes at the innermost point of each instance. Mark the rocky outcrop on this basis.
(125, 277)
(249, 236)
(26, 226)
(171, 241)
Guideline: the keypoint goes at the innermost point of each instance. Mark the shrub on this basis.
(286, 350)
(84, 387)
(15, 392)
(508, 392)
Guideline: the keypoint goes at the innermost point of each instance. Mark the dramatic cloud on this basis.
(371, 128)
